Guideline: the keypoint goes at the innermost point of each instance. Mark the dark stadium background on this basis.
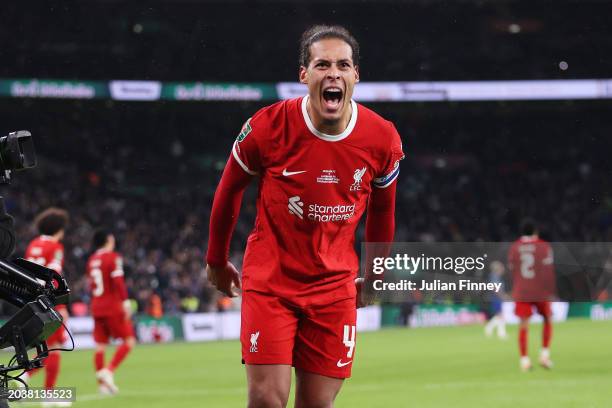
(148, 170)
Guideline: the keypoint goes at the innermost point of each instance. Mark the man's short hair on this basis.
(528, 227)
(100, 237)
(51, 221)
(322, 32)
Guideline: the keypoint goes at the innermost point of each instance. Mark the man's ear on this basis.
(356, 73)
(303, 75)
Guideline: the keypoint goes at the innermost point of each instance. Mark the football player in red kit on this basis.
(321, 160)
(530, 260)
(47, 250)
(110, 308)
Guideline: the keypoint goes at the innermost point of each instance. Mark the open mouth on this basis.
(332, 97)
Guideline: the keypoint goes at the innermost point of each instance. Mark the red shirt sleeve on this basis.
(56, 258)
(380, 219)
(380, 225)
(117, 277)
(119, 284)
(549, 281)
(390, 168)
(225, 210)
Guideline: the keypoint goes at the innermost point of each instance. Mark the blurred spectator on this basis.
(154, 306)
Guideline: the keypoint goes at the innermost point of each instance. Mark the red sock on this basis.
(120, 354)
(546, 333)
(52, 365)
(523, 341)
(99, 360)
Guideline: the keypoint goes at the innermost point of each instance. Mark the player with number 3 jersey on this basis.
(110, 308)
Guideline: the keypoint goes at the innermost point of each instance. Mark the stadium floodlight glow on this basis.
(469, 90)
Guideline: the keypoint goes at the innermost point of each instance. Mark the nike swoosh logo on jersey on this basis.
(341, 364)
(292, 173)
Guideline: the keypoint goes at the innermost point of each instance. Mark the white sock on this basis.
(501, 328)
(489, 327)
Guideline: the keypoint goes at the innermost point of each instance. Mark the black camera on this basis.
(27, 285)
(16, 153)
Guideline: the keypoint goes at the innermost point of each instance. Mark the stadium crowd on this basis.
(149, 173)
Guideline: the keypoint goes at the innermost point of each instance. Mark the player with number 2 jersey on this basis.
(530, 261)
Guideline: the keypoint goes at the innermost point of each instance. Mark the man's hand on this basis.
(365, 297)
(127, 309)
(224, 278)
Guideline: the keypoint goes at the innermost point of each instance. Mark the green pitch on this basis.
(434, 367)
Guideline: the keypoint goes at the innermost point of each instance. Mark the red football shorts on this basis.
(316, 339)
(525, 309)
(115, 326)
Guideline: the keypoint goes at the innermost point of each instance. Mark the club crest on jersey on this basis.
(357, 176)
(244, 132)
(254, 337)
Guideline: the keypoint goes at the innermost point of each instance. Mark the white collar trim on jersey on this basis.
(326, 137)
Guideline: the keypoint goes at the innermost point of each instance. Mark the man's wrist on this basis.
(127, 307)
(216, 262)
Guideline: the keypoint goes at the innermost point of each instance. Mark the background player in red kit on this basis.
(321, 161)
(110, 308)
(47, 250)
(530, 260)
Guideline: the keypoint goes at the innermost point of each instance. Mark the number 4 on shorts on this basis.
(349, 339)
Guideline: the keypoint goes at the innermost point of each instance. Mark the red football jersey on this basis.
(313, 190)
(46, 252)
(104, 268)
(530, 260)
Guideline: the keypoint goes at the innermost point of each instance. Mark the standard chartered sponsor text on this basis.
(330, 213)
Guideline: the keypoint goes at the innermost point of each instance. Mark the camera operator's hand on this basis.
(224, 278)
